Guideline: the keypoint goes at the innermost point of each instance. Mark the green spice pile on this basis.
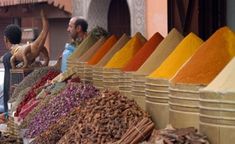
(30, 80)
(8, 139)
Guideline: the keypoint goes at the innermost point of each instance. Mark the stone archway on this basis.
(96, 12)
(138, 18)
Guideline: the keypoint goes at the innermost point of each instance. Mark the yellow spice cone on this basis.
(124, 55)
(178, 57)
(209, 60)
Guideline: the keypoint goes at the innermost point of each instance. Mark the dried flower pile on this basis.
(74, 95)
(49, 93)
(56, 131)
(34, 90)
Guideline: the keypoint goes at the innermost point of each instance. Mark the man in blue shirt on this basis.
(77, 29)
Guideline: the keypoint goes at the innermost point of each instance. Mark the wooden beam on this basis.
(33, 11)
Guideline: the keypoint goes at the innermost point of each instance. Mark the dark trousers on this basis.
(7, 67)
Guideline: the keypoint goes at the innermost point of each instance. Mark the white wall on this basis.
(156, 17)
(96, 13)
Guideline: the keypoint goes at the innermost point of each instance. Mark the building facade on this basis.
(26, 13)
(118, 17)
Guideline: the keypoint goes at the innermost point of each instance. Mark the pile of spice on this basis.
(64, 76)
(117, 46)
(8, 139)
(178, 57)
(34, 90)
(217, 106)
(30, 80)
(74, 95)
(90, 52)
(88, 42)
(209, 60)
(124, 55)
(177, 136)
(46, 94)
(163, 50)
(19, 99)
(104, 119)
(56, 131)
(143, 53)
(103, 50)
(224, 82)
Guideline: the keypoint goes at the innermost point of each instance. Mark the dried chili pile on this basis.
(104, 119)
(33, 92)
(73, 96)
(20, 98)
(30, 80)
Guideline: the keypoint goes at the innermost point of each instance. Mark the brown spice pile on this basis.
(104, 119)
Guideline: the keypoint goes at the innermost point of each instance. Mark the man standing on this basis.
(77, 29)
(12, 36)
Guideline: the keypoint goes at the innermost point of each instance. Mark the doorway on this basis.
(119, 18)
